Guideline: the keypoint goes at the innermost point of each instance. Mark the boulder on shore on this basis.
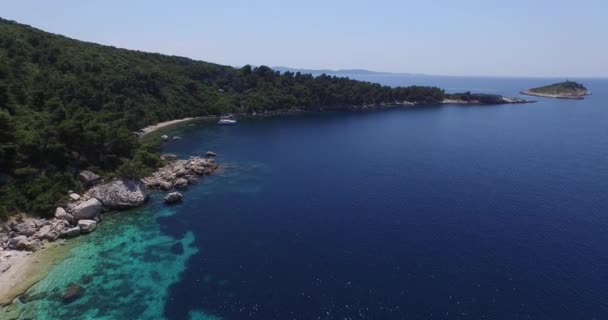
(13, 242)
(74, 196)
(73, 293)
(71, 232)
(88, 178)
(87, 225)
(121, 194)
(89, 209)
(27, 228)
(61, 214)
(173, 197)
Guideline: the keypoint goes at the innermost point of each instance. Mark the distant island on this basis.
(562, 90)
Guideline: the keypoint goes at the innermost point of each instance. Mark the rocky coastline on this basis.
(22, 236)
(568, 96)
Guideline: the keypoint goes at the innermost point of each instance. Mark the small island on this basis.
(562, 90)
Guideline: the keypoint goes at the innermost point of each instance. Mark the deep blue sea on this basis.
(445, 212)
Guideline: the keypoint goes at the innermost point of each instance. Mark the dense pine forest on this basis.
(67, 105)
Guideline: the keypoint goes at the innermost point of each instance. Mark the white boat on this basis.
(226, 121)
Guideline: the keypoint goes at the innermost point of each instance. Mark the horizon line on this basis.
(322, 69)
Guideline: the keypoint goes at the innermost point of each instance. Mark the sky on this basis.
(532, 38)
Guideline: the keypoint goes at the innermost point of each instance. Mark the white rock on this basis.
(74, 196)
(89, 209)
(87, 225)
(120, 194)
(61, 214)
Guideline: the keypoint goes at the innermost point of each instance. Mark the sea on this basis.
(426, 212)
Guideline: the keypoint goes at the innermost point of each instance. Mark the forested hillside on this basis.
(67, 105)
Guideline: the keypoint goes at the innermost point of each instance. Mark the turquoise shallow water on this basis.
(126, 267)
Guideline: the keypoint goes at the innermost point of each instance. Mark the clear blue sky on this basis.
(560, 38)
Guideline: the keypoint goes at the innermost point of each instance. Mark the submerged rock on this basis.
(73, 293)
(173, 197)
(89, 209)
(86, 279)
(164, 137)
(210, 154)
(121, 194)
(177, 248)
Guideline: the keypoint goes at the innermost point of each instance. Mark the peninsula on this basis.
(562, 90)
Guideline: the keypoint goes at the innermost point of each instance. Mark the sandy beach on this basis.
(158, 126)
(27, 268)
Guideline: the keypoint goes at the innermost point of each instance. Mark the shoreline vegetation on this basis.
(563, 90)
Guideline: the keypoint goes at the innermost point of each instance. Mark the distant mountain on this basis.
(326, 71)
(340, 72)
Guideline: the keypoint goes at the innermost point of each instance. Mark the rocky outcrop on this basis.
(180, 173)
(120, 194)
(88, 178)
(173, 197)
(90, 209)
